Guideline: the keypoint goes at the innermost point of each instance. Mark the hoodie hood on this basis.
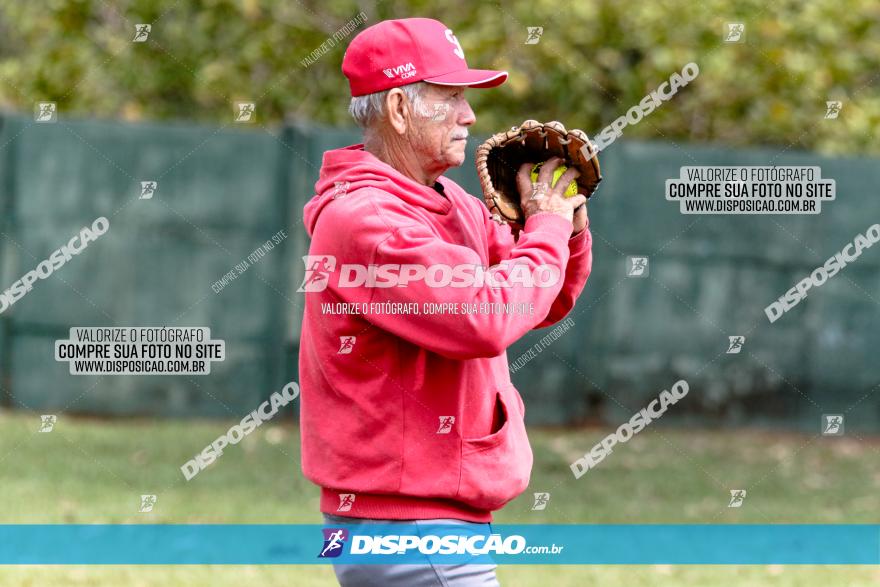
(361, 170)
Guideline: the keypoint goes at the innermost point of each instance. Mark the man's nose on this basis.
(466, 116)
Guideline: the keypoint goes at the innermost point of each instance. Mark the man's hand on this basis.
(539, 197)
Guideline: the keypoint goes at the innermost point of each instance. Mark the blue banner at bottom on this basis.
(416, 543)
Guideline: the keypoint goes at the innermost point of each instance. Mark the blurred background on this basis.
(164, 109)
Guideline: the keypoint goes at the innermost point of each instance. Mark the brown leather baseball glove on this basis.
(500, 157)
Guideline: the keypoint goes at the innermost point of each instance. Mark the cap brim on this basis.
(472, 78)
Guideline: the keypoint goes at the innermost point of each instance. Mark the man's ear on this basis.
(399, 114)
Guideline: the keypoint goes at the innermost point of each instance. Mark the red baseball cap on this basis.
(395, 53)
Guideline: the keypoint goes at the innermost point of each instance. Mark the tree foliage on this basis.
(595, 60)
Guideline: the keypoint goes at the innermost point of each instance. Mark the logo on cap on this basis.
(404, 70)
(459, 52)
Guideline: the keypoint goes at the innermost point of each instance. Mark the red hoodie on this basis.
(375, 411)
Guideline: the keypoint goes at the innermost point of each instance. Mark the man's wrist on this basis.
(583, 230)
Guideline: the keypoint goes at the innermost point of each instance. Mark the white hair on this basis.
(366, 109)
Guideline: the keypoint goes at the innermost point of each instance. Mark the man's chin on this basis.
(456, 158)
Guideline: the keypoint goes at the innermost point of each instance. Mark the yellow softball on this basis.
(572, 189)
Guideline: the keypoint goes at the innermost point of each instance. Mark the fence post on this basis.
(297, 147)
(280, 262)
(7, 200)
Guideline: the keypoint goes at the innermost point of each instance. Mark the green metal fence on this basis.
(224, 191)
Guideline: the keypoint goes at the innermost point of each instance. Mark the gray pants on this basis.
(427, 575)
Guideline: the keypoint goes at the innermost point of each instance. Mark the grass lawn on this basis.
(94, 471)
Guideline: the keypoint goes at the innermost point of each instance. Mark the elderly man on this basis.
(408, 412)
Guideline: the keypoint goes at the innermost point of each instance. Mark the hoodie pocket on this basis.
(496, 468)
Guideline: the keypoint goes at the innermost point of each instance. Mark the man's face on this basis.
(440, 127)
